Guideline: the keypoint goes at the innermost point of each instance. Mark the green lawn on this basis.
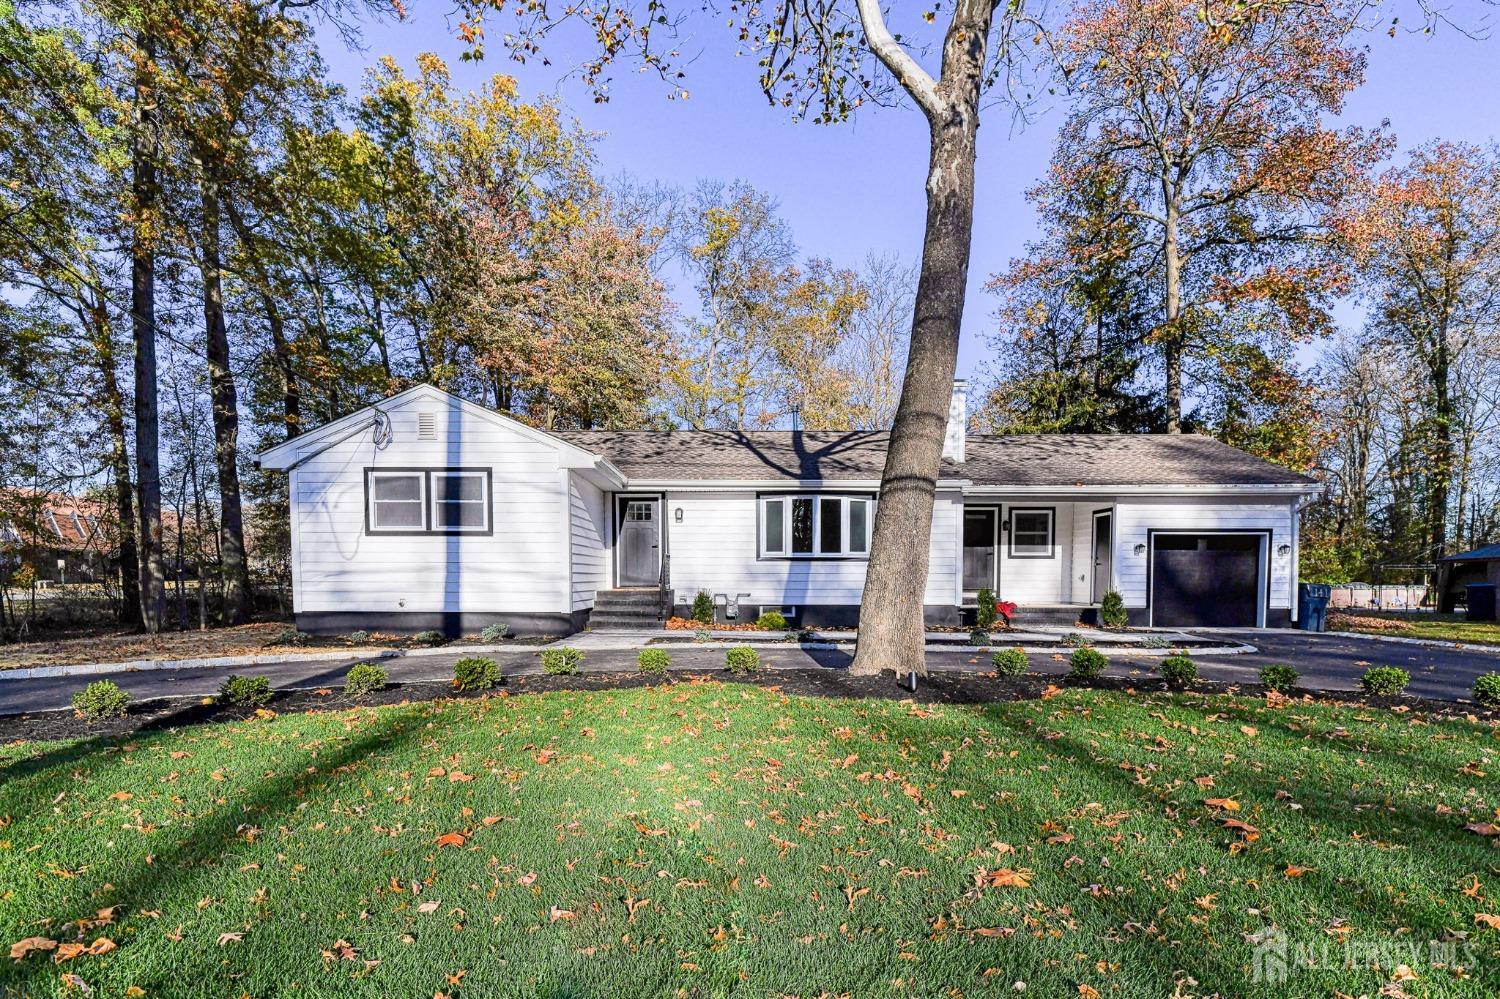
(727, 840)
(1447, 627)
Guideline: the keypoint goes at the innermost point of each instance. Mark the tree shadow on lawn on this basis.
(171, 872)
(1334, 815)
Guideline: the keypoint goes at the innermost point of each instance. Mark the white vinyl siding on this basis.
(518, 568)
(588, 526)
(1042, 577)
(1135, 518)
(715, 547)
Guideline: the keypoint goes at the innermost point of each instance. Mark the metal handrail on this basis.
(664, 588)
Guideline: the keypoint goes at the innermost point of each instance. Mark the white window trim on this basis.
(433, 524)
(1047, 550)
(786, 500)
(420, 476)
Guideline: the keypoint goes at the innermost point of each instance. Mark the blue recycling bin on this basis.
(1312, 606)
(1481, 600)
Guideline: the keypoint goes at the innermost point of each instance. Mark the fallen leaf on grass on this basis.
(1295, 871)
(1483, 828)
(527, 878)
(1005, 877)
(452, 839)
(426, 907)
(21, 948)
(563, 914)
(225, 938)
(1228, 804)
(342, 950)
(1487, 919)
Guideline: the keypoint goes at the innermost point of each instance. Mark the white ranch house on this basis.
(428, 512)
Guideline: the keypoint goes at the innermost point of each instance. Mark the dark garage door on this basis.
(1205, 580)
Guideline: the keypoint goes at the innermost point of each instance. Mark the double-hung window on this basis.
(427, 501)
(817, 526)
(1031, 533)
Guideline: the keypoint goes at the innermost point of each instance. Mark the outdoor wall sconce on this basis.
(1140, 549)
(1282, 551)
(677, 515)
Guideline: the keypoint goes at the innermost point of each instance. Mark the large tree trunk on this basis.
(891, 626)
(1172, 344)
(146, 190)
(226, 415)
(119, 460)
(1441, 472)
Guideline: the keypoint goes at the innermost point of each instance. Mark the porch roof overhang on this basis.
(1281, 490)
(782, 485)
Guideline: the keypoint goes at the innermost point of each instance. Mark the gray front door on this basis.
(639, 541)
(979, 548)
(1104, 555)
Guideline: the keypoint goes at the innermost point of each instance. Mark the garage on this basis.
(1206, 580)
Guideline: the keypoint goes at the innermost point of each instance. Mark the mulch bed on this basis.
(939, 687)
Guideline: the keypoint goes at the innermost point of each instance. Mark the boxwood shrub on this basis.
(1280, 678)
(245, 691)
(476, 673)
(1010, 662)
(742, 659)
(1487, 689)
(1386, 680)
(653, 661)
(1087, 663)
(1178, 671)
(771, 621)
(561, 661)
(101, 699)
(365, 678)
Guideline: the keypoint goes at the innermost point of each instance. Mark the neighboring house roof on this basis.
(1044, 460)
(1487, 553)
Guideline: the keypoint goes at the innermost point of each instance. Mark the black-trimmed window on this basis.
(1031, 533)
(427, 500)
(817, 526)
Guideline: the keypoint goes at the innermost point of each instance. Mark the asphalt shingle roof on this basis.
(1484, 553)
(1032, 460)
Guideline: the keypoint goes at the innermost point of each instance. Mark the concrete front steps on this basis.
(1053, 615)
(626, 610)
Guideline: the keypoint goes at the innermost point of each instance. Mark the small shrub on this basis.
(1178, 671)
(1074, 640)
(428, 638)
(1279, 678)
(494, 632)
(1386, 680)
(1010, 662)
(653, 661)
(1112, 610)
(245, 691)
(984, 616)
(1155, 642)
(703, 607)
(476, 673)
(807, 635)
(101, 699)
(771, 621)
(359, 637)
(1087, 663)
(702, 635)
(1487, 689)
(742, 659)
(561, 661)
(293, 637)
(365, 678)
(979, 637)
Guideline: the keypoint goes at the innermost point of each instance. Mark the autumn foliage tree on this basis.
(1213, 118)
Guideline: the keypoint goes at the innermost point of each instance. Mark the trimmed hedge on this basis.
(1487, 689)
(561, 661)
(1010, 662)
(101, 699)
(1280, 678)
(653, 661)
(476, 673)
(1086, 663)
(771, 621)
(1385, 680)
(365, 678)
(245, 691)
(742, 659)
(1178, 671)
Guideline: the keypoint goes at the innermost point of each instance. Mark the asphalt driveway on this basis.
(1327, 662)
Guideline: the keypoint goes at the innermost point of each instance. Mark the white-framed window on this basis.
(398, 501)
(428, 500)
(1031, 532)
(816, 526)
(460, 501)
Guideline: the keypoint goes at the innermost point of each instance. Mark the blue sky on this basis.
(853, 188)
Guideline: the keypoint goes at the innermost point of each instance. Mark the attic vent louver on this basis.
(427, 426)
